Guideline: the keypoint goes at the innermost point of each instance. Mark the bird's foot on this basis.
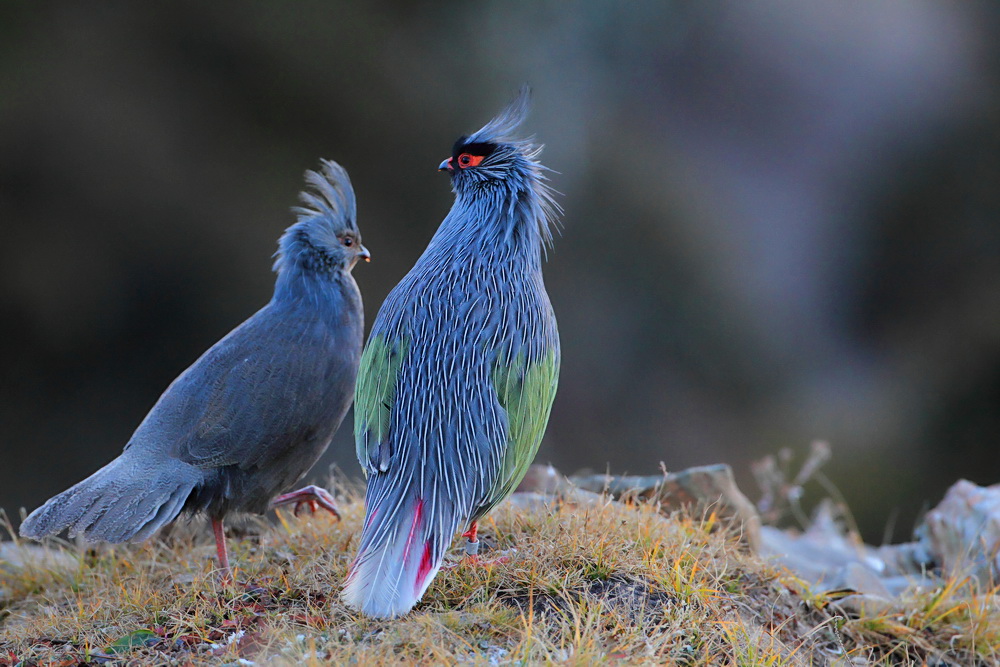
(310, 496)
(476, 561)
(473, 560)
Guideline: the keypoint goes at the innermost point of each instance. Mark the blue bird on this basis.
(460, 370)
(252, 415)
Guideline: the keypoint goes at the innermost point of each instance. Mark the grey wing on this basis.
(256, 393)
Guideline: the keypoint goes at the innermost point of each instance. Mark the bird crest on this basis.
(331, 198)
(326, 231)
(494, 155)
(501, 128)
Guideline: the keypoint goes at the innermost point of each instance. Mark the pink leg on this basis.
(472, 551)
(220, 549)
(311, 496)
(472, 546)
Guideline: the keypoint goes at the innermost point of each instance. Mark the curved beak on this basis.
(445, 166)
(364, 254)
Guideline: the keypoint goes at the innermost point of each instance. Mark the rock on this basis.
(861, 578)
(820, 552)
(17, 556)
(907, 559)
(704, 485)
(914, 583)
(831, 560)
(569, 495)
(542, 478)
(867, 605)
(961, 535)
(528, 500)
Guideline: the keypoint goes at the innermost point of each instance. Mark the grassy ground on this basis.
(597, 583)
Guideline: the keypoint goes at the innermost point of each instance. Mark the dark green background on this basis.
(782, 221)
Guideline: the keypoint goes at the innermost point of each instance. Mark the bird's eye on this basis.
(347, 241)
(469, 160)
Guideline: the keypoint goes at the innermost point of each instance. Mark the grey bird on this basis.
(253, 414)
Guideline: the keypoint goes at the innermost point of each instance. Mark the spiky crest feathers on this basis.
(329, 212)
(511, 163)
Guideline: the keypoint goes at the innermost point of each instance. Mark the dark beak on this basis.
(364, 254)
(445, 166)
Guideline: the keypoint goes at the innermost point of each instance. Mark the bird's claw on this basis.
(310, 496)
(311, 504)
(473, 560)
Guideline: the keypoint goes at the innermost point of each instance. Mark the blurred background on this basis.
(782, 221)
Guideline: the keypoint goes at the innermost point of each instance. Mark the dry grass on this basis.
(593, 584)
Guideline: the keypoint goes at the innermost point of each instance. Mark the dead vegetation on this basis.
(596, 582)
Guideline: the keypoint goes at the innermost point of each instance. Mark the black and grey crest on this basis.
(478, 148)
(493, 147)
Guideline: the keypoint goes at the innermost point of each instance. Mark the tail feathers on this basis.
(125, 501)
(401, 552)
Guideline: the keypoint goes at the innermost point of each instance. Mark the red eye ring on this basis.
(469, 160)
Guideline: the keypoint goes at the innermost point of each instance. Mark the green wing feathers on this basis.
(376, 390)
(525, 391)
